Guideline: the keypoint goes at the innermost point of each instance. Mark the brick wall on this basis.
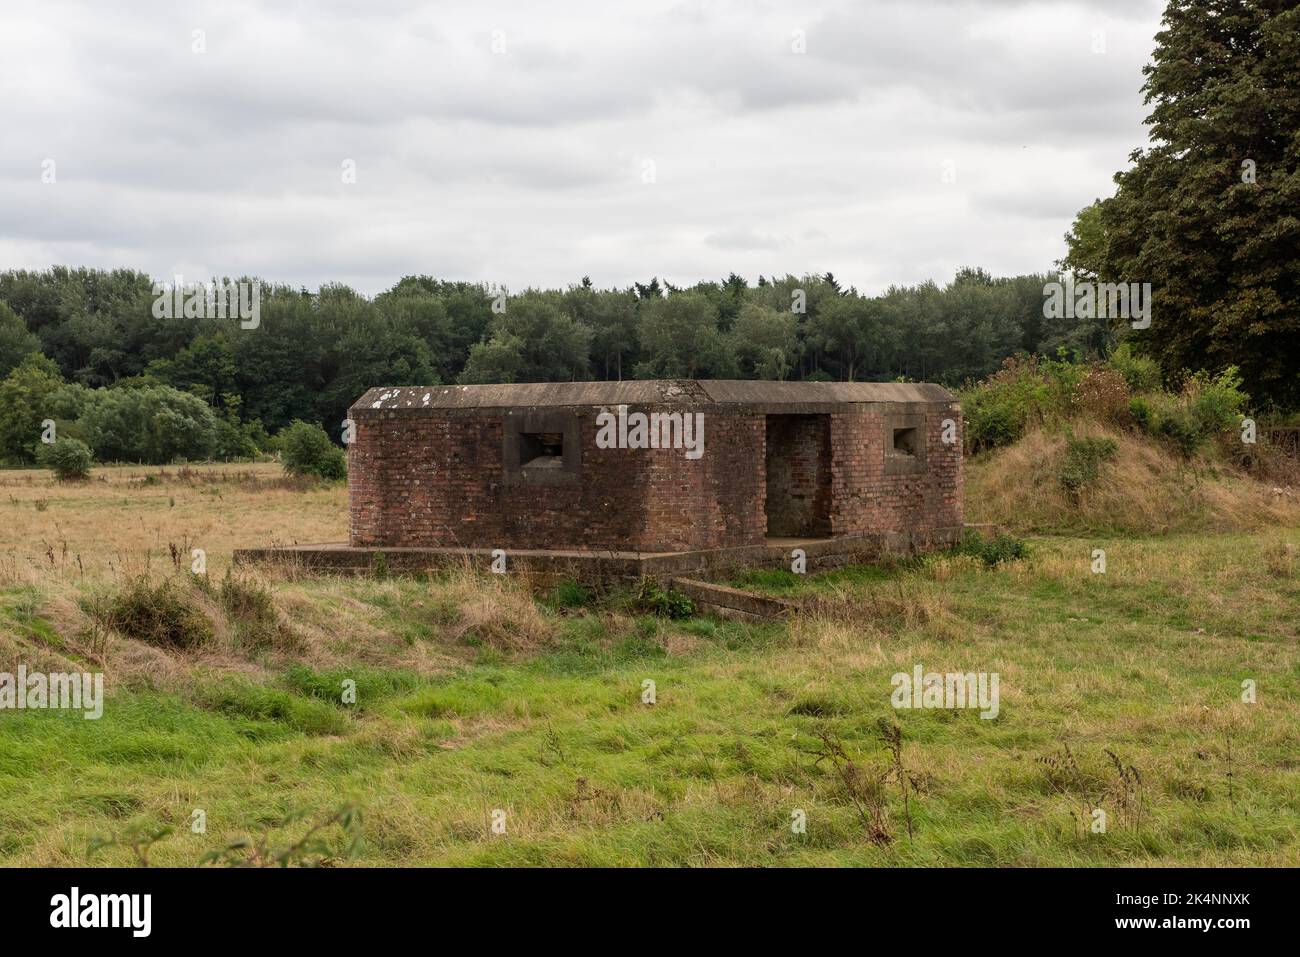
(437, 478)
(874, 489)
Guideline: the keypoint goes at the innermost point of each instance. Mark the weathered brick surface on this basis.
(866, 499)
(798, 496)
(436, 478)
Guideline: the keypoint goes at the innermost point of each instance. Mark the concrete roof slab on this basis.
(688, 393)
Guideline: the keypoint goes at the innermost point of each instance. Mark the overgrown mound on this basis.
(1091, 477)
(1111, 446)
(164, 614)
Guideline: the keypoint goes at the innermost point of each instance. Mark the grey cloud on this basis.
(744, 239)
(525, 167)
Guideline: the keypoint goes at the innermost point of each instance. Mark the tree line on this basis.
(312, 354)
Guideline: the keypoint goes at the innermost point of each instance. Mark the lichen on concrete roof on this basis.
(673, 392)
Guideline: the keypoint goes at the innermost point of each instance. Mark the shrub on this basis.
(250, 608)
(257, 434)
(1104, 395)
(997, 410)
(1025, 391)
(1140, 410)
(165, 614)
(995, 551)
(1031, 391)
(1083, 458)
(232, 441)
(69, 459)
(664, 602)
(1178, 426)
(1215, 404)
(1140, 373)
(989, 425)
(27, 396)
(152, 424)
(1206, 407)
(307, 450)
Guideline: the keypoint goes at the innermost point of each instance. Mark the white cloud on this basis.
(527, 167)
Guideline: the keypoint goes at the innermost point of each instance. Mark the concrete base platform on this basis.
(734, 603)
(602, 567)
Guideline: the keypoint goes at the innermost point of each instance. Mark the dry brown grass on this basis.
(848, 616)
(496, 610)
(1146, 489)
(124, 519)
(330, 624)
(77, 545)
(73, 547)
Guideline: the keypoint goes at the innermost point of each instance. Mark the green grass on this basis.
(779, 581)
(1145, 661)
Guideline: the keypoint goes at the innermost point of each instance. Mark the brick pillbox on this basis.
(526, 466)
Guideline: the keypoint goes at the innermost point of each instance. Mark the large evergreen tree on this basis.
(1210, 212)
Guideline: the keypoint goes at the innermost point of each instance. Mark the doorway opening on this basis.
(798, 460)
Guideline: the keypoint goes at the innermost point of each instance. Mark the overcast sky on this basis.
(530, 143)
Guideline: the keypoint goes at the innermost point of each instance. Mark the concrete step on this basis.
(734, 602)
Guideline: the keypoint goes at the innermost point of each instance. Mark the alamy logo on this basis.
(946, 691)
(658, 430)
(217, 300)
(70, 691)
(1098, 300)
(103, 910)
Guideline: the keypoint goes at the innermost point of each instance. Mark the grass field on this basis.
(478, 706)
